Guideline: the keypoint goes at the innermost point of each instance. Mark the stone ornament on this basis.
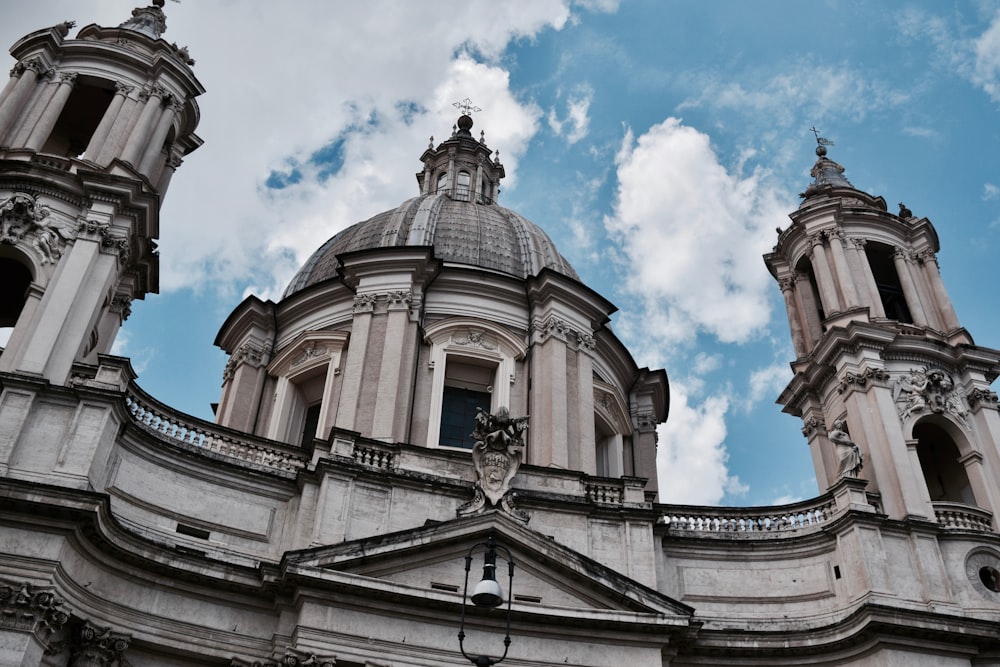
(247, 353)
(25, 609)
(496, 457)
(21, 217)
(94, 646)
(862, 380)
(928, 391)
(475, 338)
(287, 660)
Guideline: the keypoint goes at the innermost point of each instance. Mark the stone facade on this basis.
(325, 519)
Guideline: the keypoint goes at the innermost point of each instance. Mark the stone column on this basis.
(155, 146)
(874, 297)
(933, 273)
(805, 299)
(477, 187)
(43, 128)
(549, 399)
(390, 418)
(824, 277)
(354, 366)
(107, 122)
(139, 136)
(27, 73)
(584, 406)
(169, 167)
(844, 277)
(910, 293)
(120, 130)
(787, 286)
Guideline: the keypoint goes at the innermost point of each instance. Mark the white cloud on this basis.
(5, 333)
(692, 459)
(986, 65)
(767, 382)
(805, 90)
(692, 235)
(990, 191)
(577, 120)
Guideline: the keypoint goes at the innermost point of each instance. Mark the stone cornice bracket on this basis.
(862, 381)
(24, 609)
(982, 398)
(553, 327)
(93, 230)
(122, 305)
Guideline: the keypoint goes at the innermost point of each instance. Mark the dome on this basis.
(462, 232)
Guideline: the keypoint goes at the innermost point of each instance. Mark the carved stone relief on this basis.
(247, 353)
(496, 457)
(862, 380)
(25, 609)
(931, 390)
(21, 217)
(475, 338)
(94, 646)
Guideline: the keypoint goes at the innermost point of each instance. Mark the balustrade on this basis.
(798, 518)
(191, 432)
(958, 516)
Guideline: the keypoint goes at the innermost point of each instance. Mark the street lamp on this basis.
(487, 594)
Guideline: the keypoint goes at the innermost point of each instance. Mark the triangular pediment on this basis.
(430, 562)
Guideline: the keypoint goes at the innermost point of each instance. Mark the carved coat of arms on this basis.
(496, 457)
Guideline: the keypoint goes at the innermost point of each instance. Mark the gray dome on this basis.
(486, 236)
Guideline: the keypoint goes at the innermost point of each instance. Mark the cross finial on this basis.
(466, 106)
(820, 140)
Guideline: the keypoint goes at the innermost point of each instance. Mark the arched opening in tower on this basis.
(15, 278)
(944, 474)
(890, 290)
(811, 307)
(79, 119)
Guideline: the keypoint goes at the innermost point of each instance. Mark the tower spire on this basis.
(149, 21)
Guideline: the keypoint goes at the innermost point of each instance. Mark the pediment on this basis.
(429, 563)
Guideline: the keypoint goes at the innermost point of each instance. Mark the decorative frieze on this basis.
(24, 609)
(475, 338)
(931, 390)
(288, 660)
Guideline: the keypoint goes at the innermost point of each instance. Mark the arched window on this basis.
(944, 474)
(473, 365)
(887, 280)
(442, 182)
(462, 186)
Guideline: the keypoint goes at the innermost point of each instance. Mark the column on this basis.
(844, 276)
(107, 122)
(787, 286)
(155, 146)
(477, 187)
(874, 298)
(120, 130)
(933, 272)
(169, 167)
(584, 404)
(28, 72)
(140, 133)
(824, 277)
(389, 414)
(354, 366)
(909, 289)
(43, 128)
(805, 299)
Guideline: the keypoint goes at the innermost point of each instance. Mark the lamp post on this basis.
(487, 594)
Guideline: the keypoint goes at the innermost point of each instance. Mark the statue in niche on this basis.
(851, 458)
(496, 457)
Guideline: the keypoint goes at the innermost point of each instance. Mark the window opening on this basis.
(462, 189)
(944, 474)
(467, 389)
(85, 107)
(15, 278)
(442, 182)
(310, 424)
(887, 281)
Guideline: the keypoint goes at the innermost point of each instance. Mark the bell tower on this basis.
(91, 131)
(881, 359)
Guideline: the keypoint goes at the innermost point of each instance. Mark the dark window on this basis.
(944, 474)
(310, 424)
(458, 415)
(80, 117)
(887, 281)
(15, 278)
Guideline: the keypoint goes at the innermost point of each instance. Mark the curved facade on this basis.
(332, 514)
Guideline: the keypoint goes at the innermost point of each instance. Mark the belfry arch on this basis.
(16, 277)
(942, 463)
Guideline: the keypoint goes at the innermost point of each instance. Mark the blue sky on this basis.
(659, 143)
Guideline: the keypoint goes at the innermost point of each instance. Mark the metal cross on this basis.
(820, 140)
(466, 106)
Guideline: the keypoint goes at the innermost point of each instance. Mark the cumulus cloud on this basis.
(692, 459)
(990, 191)
(767, 382)
(691, 235)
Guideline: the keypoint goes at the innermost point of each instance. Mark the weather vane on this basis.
(820, 140)
(466, 106)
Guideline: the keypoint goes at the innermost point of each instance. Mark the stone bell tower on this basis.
(91, 131)
(880, 350)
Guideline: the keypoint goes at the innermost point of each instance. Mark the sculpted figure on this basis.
(851, 459)
(496, 457)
